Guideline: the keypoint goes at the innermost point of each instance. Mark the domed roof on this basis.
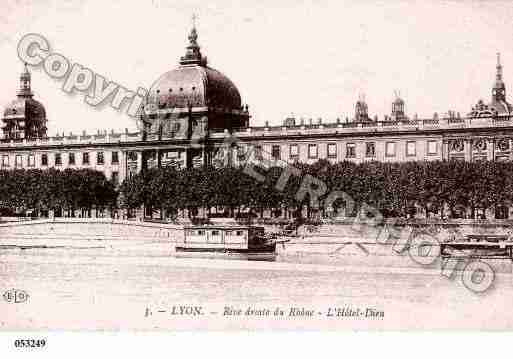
(25, 106)
(501, 107)
(398, 101)
(198, 86)
(24, 117)
(397, 98)
(195, 84)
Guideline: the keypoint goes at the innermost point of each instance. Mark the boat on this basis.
(237, 241)
(478, 246)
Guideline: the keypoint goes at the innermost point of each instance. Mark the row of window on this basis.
(31, 161)
(313, 153)
(370, 150)
(411, 148)
(201, 232)
(294, 151)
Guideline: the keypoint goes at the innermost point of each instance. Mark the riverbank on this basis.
(339, 245)
(106, 274)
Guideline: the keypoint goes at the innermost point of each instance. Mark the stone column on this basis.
(468, 149)
(205, 156)
(122, 166)
(510, 150)
(139, 161)
(186, 158)
(490, 213)
(491, 149)
(445, 150)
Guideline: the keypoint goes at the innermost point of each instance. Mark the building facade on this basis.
(194, 116)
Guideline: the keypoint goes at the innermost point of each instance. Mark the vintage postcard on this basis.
(301, 165)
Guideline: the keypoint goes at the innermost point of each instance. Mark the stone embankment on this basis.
(351, 245)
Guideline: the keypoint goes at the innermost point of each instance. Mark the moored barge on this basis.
(478, 246)
(241, 241)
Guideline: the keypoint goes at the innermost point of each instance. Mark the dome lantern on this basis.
(193, 51)
(25, 87)
(398, 107)
(499, 88)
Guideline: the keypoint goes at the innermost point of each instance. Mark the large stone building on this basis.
(195, 116)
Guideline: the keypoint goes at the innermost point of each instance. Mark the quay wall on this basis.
(326, 232)
(343, 244)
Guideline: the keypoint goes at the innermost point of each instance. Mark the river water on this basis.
(106, 288)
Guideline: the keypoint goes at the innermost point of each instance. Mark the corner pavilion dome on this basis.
(25, 107)
(24, 104)
(194, 84)
(24, 117)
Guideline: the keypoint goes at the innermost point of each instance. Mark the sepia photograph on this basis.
(255, 166)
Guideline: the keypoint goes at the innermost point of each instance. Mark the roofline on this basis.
(221, 226)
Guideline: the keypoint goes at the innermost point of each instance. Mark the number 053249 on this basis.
(30, 343)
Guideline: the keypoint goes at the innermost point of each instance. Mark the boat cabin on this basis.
(223, 238)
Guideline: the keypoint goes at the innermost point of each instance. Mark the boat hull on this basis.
(225, 254)
(475, 251)
(266, 252)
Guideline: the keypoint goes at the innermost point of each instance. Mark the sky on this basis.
(307, 58)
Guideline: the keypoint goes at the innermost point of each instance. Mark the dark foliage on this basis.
(445, 188)
(43, 190)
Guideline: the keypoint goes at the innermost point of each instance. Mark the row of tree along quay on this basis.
(436, 189)
(44, 193)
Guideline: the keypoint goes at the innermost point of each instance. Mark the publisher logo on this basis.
(16, 296)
